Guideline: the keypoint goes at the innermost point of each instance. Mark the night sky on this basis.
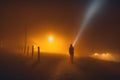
(62, 18)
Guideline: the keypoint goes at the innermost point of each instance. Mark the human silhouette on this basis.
(71, 52)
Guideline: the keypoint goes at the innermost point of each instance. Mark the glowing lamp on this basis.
(50, 39)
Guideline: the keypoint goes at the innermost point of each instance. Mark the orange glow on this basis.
(50, 44)
(104, 56)
(50, 38)
(96, 54)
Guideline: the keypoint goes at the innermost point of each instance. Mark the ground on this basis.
(15, 66)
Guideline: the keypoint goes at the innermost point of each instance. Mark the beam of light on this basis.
(93, 8)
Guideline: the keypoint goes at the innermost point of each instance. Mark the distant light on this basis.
(50, 43)
(104, 56)
(50, 39)
(96, 54)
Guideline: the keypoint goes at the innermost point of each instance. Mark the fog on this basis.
(61, 19)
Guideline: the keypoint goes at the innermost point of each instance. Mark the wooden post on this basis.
(32, 50)
(27, 50)
(38, 53)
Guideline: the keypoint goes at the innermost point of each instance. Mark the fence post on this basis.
(32, 50)
(38, 53)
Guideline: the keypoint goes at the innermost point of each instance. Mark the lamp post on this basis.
(25, 41)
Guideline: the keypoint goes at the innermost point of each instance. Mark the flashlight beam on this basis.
(88, 16)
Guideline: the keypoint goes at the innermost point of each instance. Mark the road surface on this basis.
(15, 66)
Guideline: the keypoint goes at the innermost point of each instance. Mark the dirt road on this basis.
(55, 67)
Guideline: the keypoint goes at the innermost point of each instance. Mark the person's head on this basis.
(71, 45)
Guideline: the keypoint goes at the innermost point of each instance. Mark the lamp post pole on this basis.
(25, 43)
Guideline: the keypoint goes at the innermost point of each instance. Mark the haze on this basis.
(61, 19)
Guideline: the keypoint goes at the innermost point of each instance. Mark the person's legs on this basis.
(71, 58)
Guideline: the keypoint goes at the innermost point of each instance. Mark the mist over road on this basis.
(15, 66)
